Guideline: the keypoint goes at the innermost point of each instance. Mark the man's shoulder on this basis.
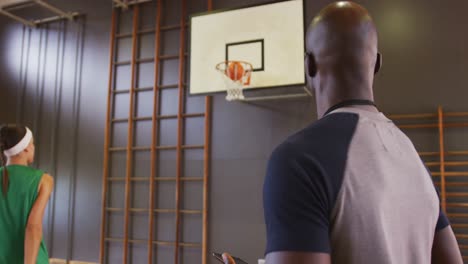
(324, 133)
(316, 155)
(335, 122)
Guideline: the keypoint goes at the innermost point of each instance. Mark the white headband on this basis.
(22, 145)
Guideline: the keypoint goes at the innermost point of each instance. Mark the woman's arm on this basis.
(33, 236)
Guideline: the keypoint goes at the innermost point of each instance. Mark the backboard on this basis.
(270, 37)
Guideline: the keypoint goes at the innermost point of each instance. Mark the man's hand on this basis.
(228, 259)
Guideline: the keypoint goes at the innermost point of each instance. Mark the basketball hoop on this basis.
(236, 75)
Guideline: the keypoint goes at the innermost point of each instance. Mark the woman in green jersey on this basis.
(24, 193)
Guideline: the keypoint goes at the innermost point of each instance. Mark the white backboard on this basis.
(270, 37)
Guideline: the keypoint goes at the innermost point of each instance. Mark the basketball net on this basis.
(236, 76)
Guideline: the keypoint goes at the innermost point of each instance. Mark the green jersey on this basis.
(14, 213)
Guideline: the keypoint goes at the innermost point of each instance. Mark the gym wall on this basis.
(424, 64)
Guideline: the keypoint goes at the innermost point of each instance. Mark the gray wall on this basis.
(424, 62)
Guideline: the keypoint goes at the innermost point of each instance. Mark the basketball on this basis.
(235, 71)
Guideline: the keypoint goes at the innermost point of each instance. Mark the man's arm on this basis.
(287, 257)
(298, 198)
(33, 236)
(445, 248)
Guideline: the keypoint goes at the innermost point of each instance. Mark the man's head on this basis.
(342, 56)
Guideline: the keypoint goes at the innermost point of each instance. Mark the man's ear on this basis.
(378, 63)
(311, 65)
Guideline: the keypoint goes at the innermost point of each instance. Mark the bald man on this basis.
(350, 188)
